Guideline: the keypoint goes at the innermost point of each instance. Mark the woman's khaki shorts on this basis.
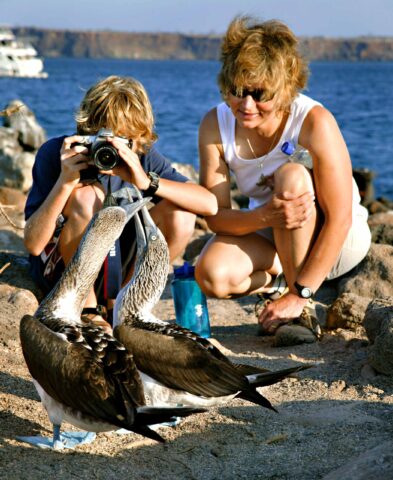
(355, 247)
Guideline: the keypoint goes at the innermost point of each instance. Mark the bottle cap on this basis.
(288, 148)
(185, 271)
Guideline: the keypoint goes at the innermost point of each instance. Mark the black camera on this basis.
(104, 154)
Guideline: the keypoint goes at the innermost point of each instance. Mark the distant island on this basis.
(164, 46)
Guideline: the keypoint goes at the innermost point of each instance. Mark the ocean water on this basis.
(360, 95)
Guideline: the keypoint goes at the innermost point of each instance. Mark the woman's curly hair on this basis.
(262, 55)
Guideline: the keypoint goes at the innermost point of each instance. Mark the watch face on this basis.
(306, 292)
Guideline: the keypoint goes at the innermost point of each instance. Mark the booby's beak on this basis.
(132, 208)
(147, 230)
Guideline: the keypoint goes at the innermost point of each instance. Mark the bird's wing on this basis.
(180, 362)
(84, 369)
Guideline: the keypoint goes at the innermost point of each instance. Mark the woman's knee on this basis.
(293, 178)
(212, 278)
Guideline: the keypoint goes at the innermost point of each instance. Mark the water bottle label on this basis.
(199, 310)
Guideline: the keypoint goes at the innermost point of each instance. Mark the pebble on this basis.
(339, 385)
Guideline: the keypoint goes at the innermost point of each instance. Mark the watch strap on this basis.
(303, 292)
(154, 183)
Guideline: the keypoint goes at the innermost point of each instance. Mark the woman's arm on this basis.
(333, 183)
(280, 212)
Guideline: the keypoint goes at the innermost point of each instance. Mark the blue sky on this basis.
(334, 18)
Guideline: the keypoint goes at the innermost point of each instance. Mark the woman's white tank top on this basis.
(247, 172)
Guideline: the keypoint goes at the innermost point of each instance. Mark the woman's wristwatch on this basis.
(303, 292)
(154, 183)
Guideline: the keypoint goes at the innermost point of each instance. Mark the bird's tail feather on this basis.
(269, 378)
(146, 416)
(151, 415)
(253, 396)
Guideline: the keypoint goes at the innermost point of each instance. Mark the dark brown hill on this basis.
(109, 44)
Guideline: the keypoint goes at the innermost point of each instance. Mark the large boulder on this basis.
(20, 137)
(347, 311)
(378, 323)
(372, 278)
(23, 121)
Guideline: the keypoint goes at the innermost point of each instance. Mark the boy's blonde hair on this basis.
(262, 55)
(120, 104)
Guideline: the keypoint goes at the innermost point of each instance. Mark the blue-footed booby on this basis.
(177, 366)
(83, 375)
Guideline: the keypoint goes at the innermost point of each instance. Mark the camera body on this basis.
(104, 154)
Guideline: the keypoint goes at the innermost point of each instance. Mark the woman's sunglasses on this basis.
(258, 94)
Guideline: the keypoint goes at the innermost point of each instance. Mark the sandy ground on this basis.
(329, 417)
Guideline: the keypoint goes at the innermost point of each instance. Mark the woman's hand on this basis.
(288, 211)
(130, 169)
(73, 159)
(286, 308)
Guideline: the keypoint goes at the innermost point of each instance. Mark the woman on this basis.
(304, 225)
(66, 191)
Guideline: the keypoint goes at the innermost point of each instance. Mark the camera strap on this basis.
(112, 264)
(110, 200)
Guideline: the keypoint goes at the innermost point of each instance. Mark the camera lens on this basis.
(105, 157)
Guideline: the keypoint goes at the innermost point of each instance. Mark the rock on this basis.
(377, 312)
(338, 386)
(19, 140)
(16, 171)
(11, 242)
(368, 373)
(376, 463)
(14, 304)
(364, 180)
(373, 276)
(289, 335)
(347, 311)
(187, 170)
(17, 273)
(378, 323)
(377, 207)
(382, 234)
(15, 164)
(385, 218)
(24, 300)
(13, 198)
(381, 226)
(30, 134)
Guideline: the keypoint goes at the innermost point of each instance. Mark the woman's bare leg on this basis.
(232, 266)
(293, 246)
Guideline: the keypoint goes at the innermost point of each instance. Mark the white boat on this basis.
(18, 58)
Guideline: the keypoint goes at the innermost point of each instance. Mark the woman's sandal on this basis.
(96, 316)
(278, 289)
(305, 329)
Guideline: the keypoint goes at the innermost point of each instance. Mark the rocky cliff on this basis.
(109, 44)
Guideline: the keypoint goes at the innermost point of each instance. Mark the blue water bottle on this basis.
(190, 301)
(297, 154)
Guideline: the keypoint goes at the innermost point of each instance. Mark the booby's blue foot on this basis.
(64, 440)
